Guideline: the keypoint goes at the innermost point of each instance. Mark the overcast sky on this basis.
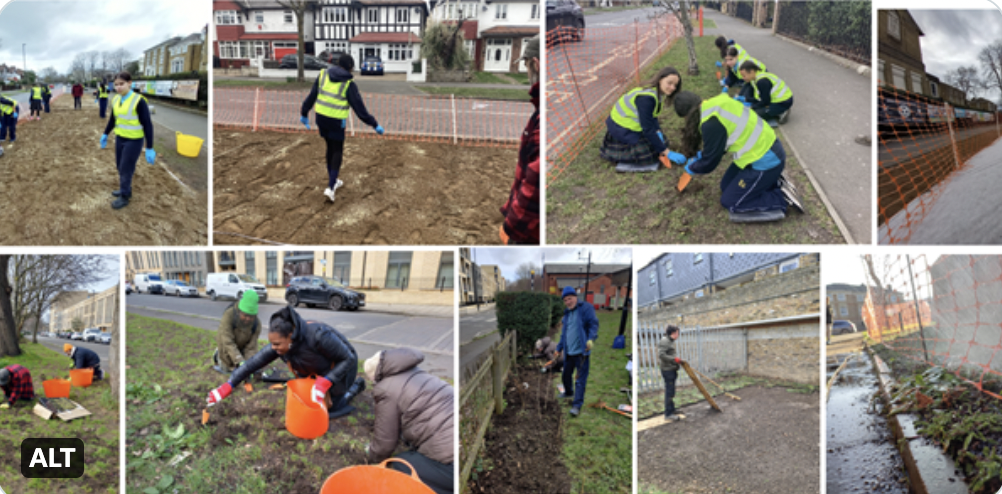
(953, 38)
(56, 31)
(508, 259)
(112, 274)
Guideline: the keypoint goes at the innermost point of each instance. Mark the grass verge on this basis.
(244, 448)
(264, 83)
(99, 431)
(592, 204)
(478, 92)
(651, 404)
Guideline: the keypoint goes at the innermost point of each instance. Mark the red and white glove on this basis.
(320, 389)
(217, 395)
(678, 360)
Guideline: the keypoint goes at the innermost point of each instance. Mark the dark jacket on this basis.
(85, 358)
(143, 112)
(333, 128)
(236, 341)
(77, 90)
(587, 324)
(317, 350)
(649, 126)
(521, 211)
(666, 354)
(411, 405)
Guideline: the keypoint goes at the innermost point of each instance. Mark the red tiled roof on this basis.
(225, 5)
(407, 37)
(508, 31)
(270, 36)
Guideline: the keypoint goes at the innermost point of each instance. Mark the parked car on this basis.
(843, 327)
(310, 62)
(65, 334)
(371, 66)
(128, 288)
(567, 14)
(149, 283)
(318, 290)
(233, 285)
(179, 288)
(105, 338)
(76, 336)
(91, 334)
(331, 57)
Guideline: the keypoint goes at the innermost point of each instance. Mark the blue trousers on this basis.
(103, 103)
(670, 377)
(127, 153)
(335, 155)
(747, 190)
(581, 363)
(9, 125)
(46, 100)
(774, 110)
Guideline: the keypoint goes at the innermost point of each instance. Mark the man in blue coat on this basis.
(84, 358)
(580, 329)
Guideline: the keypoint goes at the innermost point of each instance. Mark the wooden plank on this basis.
(699, 384)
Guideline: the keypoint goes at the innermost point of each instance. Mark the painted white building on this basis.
(388, 29)
(256, 30)
(495, 32)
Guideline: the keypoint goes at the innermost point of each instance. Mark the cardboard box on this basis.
(64, 408)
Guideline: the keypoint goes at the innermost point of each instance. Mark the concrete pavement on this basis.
(832, 106)
(478, 331)
(182, 121)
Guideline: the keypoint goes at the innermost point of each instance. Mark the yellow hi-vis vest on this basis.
(332, 100)
(127, 124)
(36, 93)
(102, 92)
(625, 111)
(779, 93)
(748, 137)
(7, 106)
(743, 57)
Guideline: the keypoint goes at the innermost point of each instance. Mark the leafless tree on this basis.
(113, 349)
(299, 9)
(49, 74)
(965, 79)
(38, 281)
(991, 65)
(8, 331)
(119, 58)
(78, 69)
(93, 59)
(680, 10)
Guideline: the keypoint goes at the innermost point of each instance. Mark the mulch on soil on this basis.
(56, 184)
(269, 185)
(522, 450)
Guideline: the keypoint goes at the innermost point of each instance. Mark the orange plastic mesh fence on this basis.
(939, 310)
(585, 77)
(413, 118)
(922, 142)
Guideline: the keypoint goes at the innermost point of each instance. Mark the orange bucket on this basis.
(375, 479)
(56, 388)
(304, 418)
(81, 378)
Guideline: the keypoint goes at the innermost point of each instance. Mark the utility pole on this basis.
(587, 275)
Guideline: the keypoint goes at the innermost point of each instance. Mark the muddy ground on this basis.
(767, 443)
(269, 185)
(56, 184)
(522, 449)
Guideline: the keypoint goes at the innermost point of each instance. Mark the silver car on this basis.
(179, 288)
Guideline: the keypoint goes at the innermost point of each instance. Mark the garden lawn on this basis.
(244, 448)
(592, 204)
(479, 92)
(99, 431)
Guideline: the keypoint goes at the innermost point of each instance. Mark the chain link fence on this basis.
(839, 27)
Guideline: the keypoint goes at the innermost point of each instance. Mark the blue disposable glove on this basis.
(688, 165)
(379, 129)
(740, 98)
(344, 123)
(104, 141)
(723, 82)
(746, 103)
(662, 136)
(719, 64)
(677, 158)
(151, 155)
(15, 114)
(723, 89)
(305, 121)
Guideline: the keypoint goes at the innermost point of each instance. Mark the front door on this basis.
(498, 55)
(259, 50)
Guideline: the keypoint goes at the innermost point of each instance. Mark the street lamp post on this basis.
(24, 59)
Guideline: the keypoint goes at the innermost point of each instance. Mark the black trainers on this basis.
(117, 193)
(783, 117)
(784, 181)
(791, 199)
(575, 411)
(355, 389)
(120, 203)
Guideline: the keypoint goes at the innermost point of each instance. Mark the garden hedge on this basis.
(528, 313)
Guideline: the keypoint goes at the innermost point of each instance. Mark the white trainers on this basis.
(339, 184)
(330, 194)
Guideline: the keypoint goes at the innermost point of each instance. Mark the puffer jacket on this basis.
(666, 354)
(412, 405)
(236, 341)
(317, 350)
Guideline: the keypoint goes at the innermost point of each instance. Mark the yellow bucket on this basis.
(188, 145)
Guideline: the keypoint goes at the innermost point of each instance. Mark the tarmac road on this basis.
(57, 345)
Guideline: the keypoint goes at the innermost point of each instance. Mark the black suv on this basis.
(318, 290)
(567, 16)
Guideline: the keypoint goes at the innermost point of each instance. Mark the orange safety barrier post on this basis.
(922, 141)
(939, 310)
(701, 22)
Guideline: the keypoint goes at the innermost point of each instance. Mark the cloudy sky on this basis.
(56, 31)
(953, 38)
(112, 274)
(508, 259)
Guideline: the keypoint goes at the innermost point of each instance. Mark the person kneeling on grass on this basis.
(547, 349)
(669, 369)
(16, 383)
(580, 329)
(416, 407)
(84, 358)
(753, 188)
(239, 330)
(310, 349)
(770, 97)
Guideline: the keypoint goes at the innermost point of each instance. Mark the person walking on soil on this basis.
(669, 369)
(521, 210)
(415, 408)
(84, 358)
(102, 97)
(333, 95)
(753, 188)
(78, 93)
(35, 110)
(770, 97)
(46, 96)
(633, 138)
(580, 329)
(130, 119)
(15, 381)
(9, 110)
(310, 349)
(239, 330)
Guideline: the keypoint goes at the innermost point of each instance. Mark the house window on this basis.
(341, 46)
(471, 47)
(259, 17)
(893, 25)
(535, 11)
(227, 17)
(654, 277)
(288, 17)
(341, 14)
(843, 311)
(789, 266)
(342, 267)
(373, 15)
(841, 297)
(227, 49)
(894, 299)
(400, 52)
(601, 289)
(403, 15)
(177, 66)
(271, 265)
(697, 258)
(898, 77)
(934, 89)
(445, 271)
(398, 270)
(249, 263)
(501, 11)
(669, 270)
(917, 83)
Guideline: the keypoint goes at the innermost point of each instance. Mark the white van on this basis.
(149, 283)
(233, 285)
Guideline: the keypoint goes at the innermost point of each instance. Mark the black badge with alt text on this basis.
(51, 458)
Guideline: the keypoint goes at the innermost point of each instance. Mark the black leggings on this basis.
(335, 154)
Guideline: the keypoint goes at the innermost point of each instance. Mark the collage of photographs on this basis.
(545, 246)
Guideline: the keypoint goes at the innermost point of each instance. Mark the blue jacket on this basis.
(84, 358)
(588, 325)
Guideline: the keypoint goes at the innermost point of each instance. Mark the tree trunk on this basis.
(113, 367)
(8, 331)
(34, 331)
(300, 14)
(683, 16)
